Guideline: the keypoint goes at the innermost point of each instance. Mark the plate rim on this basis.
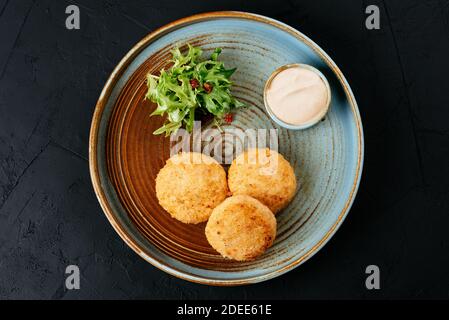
(107, 90)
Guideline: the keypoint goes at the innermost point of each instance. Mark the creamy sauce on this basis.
(297, 96)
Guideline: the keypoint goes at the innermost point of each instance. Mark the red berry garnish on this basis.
(208, 87)
(194, 83)
(228, 118)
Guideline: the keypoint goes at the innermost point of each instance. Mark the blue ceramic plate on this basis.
(125, 156)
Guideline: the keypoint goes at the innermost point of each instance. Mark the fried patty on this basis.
(265, 175)
(190, 186)
(241, 228)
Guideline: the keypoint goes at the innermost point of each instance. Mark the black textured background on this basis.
(50, 79)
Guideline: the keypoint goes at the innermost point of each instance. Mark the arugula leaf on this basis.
(190, 85)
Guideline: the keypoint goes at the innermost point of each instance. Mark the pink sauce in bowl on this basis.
(297, 96)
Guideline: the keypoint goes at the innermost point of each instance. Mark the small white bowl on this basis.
(313, 121)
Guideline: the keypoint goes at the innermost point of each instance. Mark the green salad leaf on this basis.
(191, 85)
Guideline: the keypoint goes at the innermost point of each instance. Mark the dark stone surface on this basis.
(50, 79)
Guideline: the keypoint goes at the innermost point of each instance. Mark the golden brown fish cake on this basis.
(190, 186)
(269, 178)
(241, 228)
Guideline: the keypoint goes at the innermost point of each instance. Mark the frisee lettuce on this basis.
(188, 85)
